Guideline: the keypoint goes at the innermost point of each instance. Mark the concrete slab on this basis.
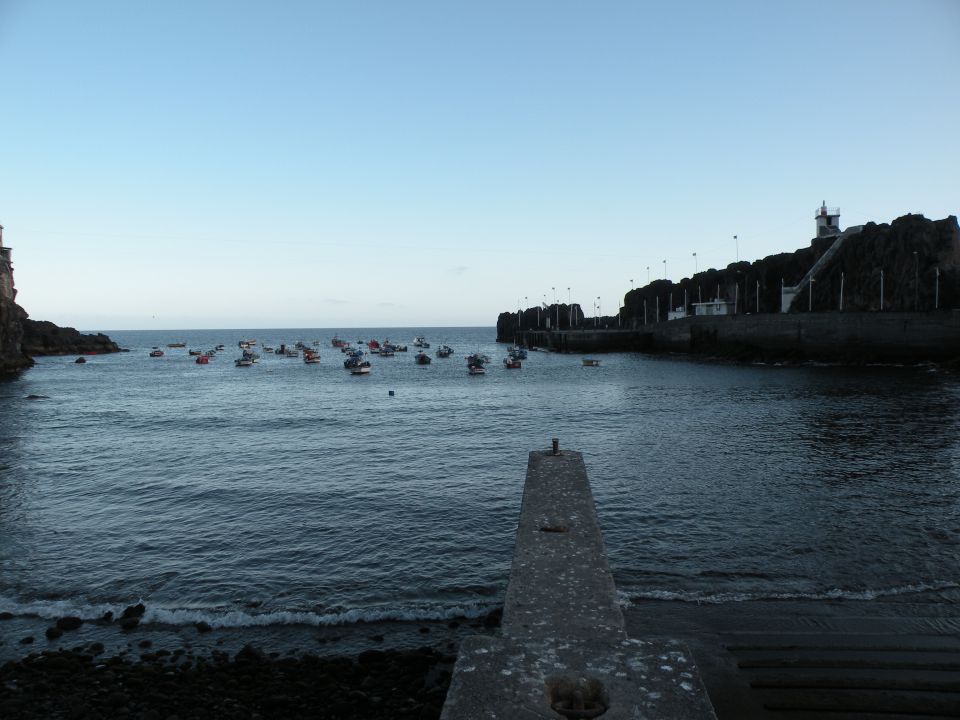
(506, 679)
(562, 626)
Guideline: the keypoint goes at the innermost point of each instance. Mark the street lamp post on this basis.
(599, 311)
(526, 302)
(664, 269)
(916, 281)
(694, 263)
(648, 274)
(569, 310)
(737, 245)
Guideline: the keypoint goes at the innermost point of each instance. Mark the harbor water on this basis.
(288, 495)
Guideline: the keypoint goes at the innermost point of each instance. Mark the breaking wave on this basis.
(224, 618)
(700, 596)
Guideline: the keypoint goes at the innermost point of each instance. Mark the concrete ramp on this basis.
(563, 649)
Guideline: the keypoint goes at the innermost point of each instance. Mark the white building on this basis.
(714, 307)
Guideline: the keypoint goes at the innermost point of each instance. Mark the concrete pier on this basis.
(847, 336)
(563, 645)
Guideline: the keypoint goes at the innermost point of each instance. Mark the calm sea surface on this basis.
(294, 493)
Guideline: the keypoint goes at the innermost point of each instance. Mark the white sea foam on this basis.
(699, 596)
(224, 618)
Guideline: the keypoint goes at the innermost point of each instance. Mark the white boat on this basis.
(243, 362)
(590, 362)
(476, 370)
(360, 370)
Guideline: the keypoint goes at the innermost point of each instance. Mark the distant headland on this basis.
(870, 292)
(22, 338)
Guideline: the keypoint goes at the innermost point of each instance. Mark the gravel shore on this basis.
(82, 684)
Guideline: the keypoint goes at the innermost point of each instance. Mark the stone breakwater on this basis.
(850, 338)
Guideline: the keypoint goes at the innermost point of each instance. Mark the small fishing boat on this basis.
(400, 348)
(203, 360)
(421, 358)
(243, 362)
(590, 362)
(421, 342)
(195, 352)
(176, 345)
(268, 348)
(310, 357)
(337, 342)
(475, 364)
(444, 351)
(156, 353)
(518, 352)
(363, 369)
(80, 360)
(511, 363)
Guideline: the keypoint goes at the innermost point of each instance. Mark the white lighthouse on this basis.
(828, 220)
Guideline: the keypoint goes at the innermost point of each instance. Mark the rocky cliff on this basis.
(12, 356)
(916, 260)
(913, 260)
(21, 338)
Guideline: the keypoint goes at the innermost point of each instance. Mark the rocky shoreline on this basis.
(84, 671)
(82, 684)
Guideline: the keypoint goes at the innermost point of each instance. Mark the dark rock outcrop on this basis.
(22, 338)
(41, 337)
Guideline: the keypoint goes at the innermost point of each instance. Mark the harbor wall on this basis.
(855, 336)
(562, 630)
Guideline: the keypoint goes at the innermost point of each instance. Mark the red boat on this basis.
(203, 360)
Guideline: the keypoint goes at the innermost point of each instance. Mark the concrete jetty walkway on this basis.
(563, 650)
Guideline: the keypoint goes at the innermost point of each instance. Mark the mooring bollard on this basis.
(556, 446)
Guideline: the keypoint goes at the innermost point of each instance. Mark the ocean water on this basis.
(294, 494)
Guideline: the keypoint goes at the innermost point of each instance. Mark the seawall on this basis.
(849, 337)
(563, 644)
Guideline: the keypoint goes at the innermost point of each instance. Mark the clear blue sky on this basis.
(187, 164)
